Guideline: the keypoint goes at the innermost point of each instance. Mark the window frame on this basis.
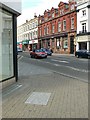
(72, 23)
(64, 25)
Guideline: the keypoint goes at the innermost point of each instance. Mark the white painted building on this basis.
(27, 34)
(83, 24)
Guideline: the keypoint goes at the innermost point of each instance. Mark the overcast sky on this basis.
(29, 7)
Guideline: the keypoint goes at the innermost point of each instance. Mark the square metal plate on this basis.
(38, 98)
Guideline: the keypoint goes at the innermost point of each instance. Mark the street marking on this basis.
(73, 68)
(20, 58)
(82, 70)
(56, 64)
(60, 61)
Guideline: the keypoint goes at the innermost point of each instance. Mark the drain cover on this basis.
(38, 98)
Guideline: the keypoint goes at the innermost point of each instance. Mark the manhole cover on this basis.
(38, 98)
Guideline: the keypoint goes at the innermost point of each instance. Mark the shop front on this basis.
(33, 44)
(25, 44)
(83, 42)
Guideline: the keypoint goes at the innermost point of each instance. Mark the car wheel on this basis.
(88, 57)
(77, 56)
(31, 56)
(35, 56)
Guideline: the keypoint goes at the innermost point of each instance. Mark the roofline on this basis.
(4, 7)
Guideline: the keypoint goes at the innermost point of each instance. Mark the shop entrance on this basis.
(71, 44)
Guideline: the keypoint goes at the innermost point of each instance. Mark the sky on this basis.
(30, 7)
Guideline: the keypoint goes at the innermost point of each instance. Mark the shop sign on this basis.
(25, 42)
(33, 41)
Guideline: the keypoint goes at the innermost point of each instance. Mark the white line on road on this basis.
(20, 58)
(60, 61)
(56, 64)
(73, 68)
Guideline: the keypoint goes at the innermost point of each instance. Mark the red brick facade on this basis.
(57, 28)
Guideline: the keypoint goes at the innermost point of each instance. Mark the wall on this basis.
(81, 18)
(0, 46)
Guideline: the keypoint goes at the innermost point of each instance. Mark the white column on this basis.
(77, 46)
(1, 29)
(88, 46)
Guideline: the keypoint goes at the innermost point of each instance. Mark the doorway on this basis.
(71, 44)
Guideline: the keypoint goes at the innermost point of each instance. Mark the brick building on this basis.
(57, 28)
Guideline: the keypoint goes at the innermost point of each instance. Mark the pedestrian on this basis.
(51, 50)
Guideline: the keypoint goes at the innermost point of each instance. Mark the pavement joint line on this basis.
(69, 76)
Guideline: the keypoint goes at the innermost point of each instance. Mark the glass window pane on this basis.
(7, 45)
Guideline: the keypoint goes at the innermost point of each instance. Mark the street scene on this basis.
(52, 87)
(44, 59)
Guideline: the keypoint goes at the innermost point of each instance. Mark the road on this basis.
(69, 66)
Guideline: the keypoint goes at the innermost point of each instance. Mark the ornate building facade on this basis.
(57, 28)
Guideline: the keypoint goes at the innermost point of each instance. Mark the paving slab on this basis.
(68, 98)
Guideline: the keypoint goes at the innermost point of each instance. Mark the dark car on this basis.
(82, 53)
(38, 53)
(19, 50)
(47, 51)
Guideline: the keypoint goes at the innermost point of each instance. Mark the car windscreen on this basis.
(39, 50)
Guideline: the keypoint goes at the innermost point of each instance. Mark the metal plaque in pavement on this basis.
(38, 98)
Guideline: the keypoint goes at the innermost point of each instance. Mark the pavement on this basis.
(44, 94)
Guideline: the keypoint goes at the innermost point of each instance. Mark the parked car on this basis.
(38, 53)
(48, 51)
(82, 53)
(19, 50)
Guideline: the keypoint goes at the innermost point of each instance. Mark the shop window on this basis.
(58, 43)
(53, 45)
(6, 46)
(65, 44)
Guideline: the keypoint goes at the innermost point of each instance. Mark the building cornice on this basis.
(65, 34)
(58, 17)
(83, 34)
